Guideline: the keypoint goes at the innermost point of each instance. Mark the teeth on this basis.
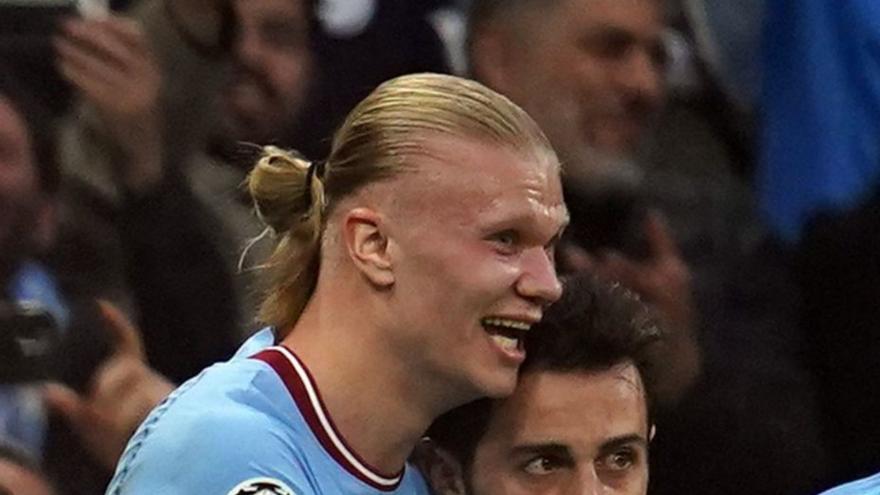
(504, 323)
(507, 343)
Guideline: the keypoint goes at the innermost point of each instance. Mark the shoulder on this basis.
(867, 486)
(219, 433)
(413, 482)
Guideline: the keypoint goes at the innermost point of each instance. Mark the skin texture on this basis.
(559, 433)
(17, 480)
(20, 198)
(567, 433)
(475, 238)
(274, 65)
(467, 232)
(589, 71)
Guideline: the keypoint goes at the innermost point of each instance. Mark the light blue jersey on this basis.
(253, 425)
(867, 486)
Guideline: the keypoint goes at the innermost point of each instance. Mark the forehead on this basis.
(464, 177)
(578, 409)
(644, 18)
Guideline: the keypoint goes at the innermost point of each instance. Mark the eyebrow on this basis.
(518, 217)
(554, 448)
(605, 31)
(617, 442)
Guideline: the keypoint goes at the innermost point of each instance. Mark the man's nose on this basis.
(587, 482)
(642, 77)
(249, 49)
(539, 281)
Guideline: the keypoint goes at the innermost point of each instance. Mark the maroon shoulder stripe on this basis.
(302, 388)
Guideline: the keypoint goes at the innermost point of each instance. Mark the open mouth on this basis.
(507, 334)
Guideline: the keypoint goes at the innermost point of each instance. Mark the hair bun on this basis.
(277, 185)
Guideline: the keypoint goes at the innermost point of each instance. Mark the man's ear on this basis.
(442, 471)
(367, 244)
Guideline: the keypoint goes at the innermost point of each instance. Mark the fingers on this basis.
(65, 402)
(127, 31)
(102, 57)
(117, 42)
(86, 73)
(573, 258)
(98, 434)
(633, 274)
(659, 236)
(126, 338)
(114, 379)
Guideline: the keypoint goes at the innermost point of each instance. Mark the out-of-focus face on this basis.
(589, 71)
(566, 433)
(16, 480)
(274, 66)
(473, 235)
(19, 188)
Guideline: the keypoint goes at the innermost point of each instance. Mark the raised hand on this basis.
(123, 391)
(110, 62)
(663, 280)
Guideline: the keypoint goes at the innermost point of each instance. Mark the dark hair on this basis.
(40, 128)
(593, 327)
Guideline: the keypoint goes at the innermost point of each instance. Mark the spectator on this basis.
(178, 220)
(28, 184)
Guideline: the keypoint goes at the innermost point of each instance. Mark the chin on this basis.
(499, 386)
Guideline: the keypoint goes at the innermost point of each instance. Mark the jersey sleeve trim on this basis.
(304, 392)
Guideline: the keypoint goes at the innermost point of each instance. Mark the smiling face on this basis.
(472, 235)
(588, 71)
(567, 433)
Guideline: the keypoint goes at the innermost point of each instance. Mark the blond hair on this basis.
(294, 197)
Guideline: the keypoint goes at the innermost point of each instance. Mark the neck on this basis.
(380, 408)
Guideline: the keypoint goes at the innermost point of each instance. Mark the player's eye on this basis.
(619, 460)
(539, 466)
(506, 240)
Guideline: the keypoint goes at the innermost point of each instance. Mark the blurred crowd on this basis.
(721, 159)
